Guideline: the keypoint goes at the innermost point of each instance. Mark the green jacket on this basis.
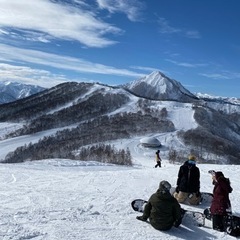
(163, 210)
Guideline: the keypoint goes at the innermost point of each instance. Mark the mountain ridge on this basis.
(89, 113)
(12, 91)
(157, 86)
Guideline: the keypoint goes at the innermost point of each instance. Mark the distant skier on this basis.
(162, 209)
(188, 183)
(158, 159)
(221, 205)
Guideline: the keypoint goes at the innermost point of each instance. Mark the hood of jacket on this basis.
(163, 195)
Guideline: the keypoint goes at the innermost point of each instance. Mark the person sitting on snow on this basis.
(162, 209)
(188, 183)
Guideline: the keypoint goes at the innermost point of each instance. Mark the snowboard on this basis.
(138, 205)
(206, 197)
(188, 216)
(231, 222)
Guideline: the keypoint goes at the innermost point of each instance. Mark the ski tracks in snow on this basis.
(37, 209)
(58, 202)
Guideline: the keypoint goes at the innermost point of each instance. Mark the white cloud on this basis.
(132, 8)
(222, 75)
(13, 54)
(29, 75)
(214, 75)
(165, 28)
(55, 20)
(185, 64)
(193, 34)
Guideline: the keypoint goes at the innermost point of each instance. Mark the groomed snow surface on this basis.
(64, 200)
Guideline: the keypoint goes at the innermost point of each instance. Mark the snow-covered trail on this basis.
(59, 199)
(74, 200)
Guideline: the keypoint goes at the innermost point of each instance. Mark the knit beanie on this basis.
(192, 157)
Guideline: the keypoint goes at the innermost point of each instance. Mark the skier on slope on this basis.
(162, 209)
(158, 159)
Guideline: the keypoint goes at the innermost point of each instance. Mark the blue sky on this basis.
(196, 42)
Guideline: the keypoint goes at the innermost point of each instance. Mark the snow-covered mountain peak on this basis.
(232, 100)
(158, 80)
(12, 91)
(157, 86)
(154, 79)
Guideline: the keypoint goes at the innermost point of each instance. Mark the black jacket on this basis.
(188, 178)
(163, 211)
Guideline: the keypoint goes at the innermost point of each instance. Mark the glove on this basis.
(141, 218)
(177, 190)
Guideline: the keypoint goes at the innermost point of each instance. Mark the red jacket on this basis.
(221, 201)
